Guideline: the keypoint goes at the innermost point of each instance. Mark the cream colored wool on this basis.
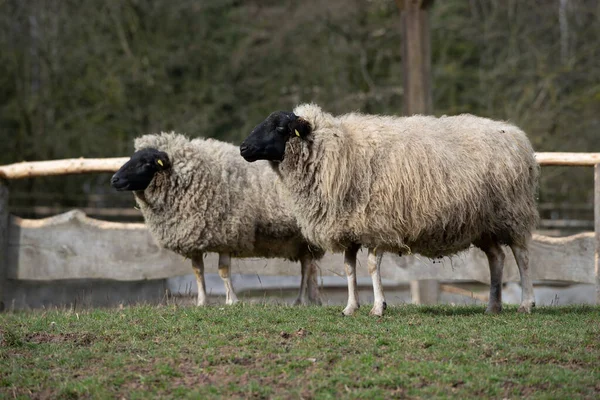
(211, 200)
(416, 184)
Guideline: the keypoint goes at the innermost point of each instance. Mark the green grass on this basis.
(259, 351)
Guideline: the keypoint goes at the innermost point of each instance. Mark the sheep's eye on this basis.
(280, 129)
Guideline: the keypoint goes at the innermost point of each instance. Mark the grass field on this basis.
(260, 351)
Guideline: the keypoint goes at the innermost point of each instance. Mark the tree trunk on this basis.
(416, 59)
(3, 241)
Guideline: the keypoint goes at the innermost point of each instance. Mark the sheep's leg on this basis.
(374, 263)
(224, 268)
(305, 267)
(314, 297)
(495, 256)
(350, 265)
(527, 297)
(198, 266)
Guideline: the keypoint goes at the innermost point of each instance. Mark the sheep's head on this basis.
(268, 139)
(137, 173)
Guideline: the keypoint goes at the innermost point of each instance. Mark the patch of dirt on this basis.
(80, 339)
(13, 392)
(188, 373)
(243, 360)
(194, 374)
(569, 364)
(302, 332)
(398, 393)
(421, 383)
(510, 387)
(458, 384)
(285, 335)
(191, 375)
(299, 333)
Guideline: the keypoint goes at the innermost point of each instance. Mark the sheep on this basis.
(199, 196)
(419, 184)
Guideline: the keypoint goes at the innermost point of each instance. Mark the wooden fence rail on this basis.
(94, 165)
(73, 246)
(61, 167)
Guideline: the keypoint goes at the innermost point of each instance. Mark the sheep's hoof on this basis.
(231, 302)
(201, 303)
(349, 310)
(493, 309)
(377, 310)
(525, 308)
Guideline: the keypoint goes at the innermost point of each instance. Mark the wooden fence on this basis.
(43, 257)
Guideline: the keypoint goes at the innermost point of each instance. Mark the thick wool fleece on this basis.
(211, 200)
(416, 184)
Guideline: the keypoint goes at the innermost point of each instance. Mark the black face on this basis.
(268, 139)
(138, 172)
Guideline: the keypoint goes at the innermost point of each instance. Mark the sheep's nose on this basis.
(243, 147)
(114, 179)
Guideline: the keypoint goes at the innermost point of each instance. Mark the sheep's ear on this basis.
(300, 127)
(162, 161)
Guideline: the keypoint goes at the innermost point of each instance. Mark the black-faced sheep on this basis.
(199, 196)
(418, 184)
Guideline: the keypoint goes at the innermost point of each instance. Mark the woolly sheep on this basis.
(418, 184)
(199, 196)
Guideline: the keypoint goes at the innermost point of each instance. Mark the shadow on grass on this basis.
(582, 309)
(441, 309)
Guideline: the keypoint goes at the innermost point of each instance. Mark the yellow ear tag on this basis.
(160, 163)
(297, 133)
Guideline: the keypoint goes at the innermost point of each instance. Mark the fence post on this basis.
(3, 240)
(426, 291)
(597, 229)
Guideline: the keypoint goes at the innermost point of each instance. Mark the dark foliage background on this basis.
(84, 78)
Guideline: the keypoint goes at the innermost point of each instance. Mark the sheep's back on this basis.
(421, 184)
(213, 201)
